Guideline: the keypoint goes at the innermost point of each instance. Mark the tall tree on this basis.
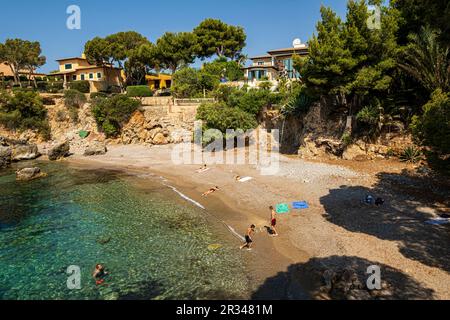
(218, 38)
(21, 55)
(34, 61)
(349, 60)
(174, 50)
(117, 49)
(418, 13)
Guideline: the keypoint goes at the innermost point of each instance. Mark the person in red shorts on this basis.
(273, 221)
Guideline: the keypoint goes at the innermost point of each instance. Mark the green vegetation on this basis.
(74, 100)
(411, 154)
(82, 86)
(111, 113)
(385, 74)
(222, 117)
(20, 55)
(24, 110)
(139, 91)
(215, 37)
(432, 128)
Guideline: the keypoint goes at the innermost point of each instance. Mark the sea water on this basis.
(154, 244)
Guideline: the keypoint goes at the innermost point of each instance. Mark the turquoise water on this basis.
(154, 244)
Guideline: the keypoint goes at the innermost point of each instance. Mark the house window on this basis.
(68, 66)
(91, 76)
(74, 77)
(83, 77)
(99, 75)
(260, 63)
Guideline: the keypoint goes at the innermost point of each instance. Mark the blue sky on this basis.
(268, 24)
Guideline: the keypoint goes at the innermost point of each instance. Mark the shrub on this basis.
(265, 85)
(433, 127)
(346, 139)
(411, 154)
(52, 87)
(82, 86)
(94, 95)
(24, 110)
(111, 113)
(221, 117)
(73, 100)
(139, 91)
(191, 83)
(254, 101)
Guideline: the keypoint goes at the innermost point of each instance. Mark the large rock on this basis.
(95, 149)
(28, 174)
(355, 152)
(24, 152)
(58, 151)
(5, 156)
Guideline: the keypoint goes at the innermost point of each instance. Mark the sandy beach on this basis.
(338, 230)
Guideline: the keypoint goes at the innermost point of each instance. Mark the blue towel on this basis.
(300, 205)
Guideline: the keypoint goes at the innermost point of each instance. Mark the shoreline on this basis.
(280, 267)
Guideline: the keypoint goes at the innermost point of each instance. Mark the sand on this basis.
(337, 229)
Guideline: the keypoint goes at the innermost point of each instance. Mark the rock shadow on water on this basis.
(409, 203)
(340, 278)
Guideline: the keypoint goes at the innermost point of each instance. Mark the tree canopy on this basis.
(218, 38)
(21, 55)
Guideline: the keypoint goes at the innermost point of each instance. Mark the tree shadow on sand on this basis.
(410, 201)
(340, 278)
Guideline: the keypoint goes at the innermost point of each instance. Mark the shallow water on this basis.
(154, 244)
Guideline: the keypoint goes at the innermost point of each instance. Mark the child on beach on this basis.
(248, 238)
(212, 190)
(273, 221)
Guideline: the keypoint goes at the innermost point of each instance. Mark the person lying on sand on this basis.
(273, 221)
(202, 169)
(237, 178)
(212, 190)
(248, 237)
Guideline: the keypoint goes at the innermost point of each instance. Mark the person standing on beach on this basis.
(248, 237)
(273, 221)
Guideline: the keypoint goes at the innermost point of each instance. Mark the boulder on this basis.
(354, 152)
(28, 174)
(58, 151)
(159, 139)
(95, 149)
(5, 156)
(24, 152)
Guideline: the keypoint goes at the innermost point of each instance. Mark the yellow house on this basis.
(100, 78)
(6, 72)
(160, 81)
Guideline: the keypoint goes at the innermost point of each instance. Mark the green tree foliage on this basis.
(222, 117)
(193, 83)
(417, 13)
(24, 110)
(215, 37)
(432, 128)
(111, 113)
(175, 50)
(124, 49)
(230, 70)
(426, 60)
(21, 55)
(82, 86)
(139, 91)
(349, 60)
